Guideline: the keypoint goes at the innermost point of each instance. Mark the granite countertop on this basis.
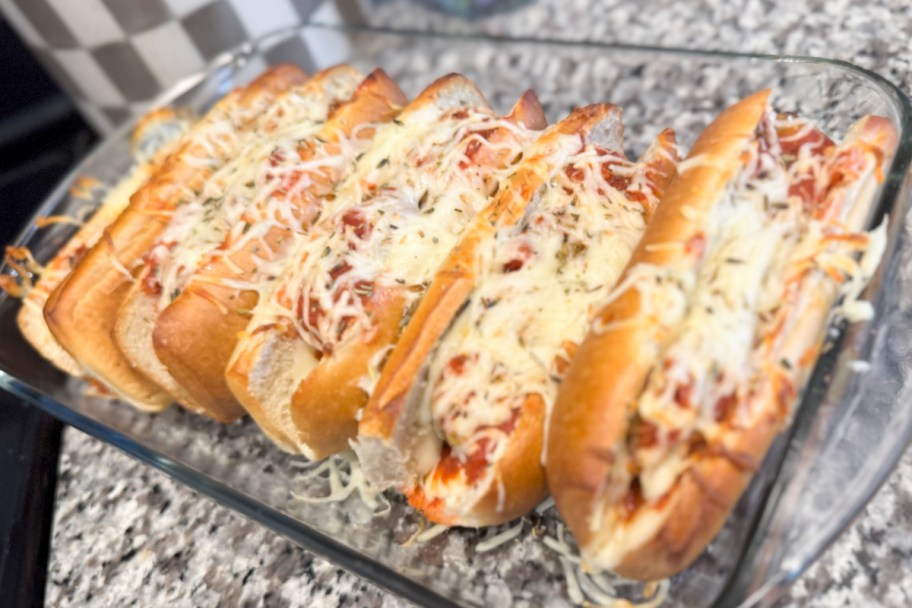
(125, 534)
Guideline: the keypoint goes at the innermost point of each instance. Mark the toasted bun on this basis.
(31, 323)
(390, 435)
(133, 334)
(326, 402)
(270, 386)
(140, 311)
(710, 489)
(452, 91)
(396, 433)
(587, 461)
(196, 335)
(157, 132)
(517, 482)
(31, 316)
(81, 312)
(707, 492)
(610, 369)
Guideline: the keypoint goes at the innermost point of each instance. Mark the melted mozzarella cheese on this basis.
(761, 244)
(707, 360)
(268, 158)
(539, 284)
(391, 222)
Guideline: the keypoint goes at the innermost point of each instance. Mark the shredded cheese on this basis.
(430, 534)
(592, 587)
(501, 538)
(265, 176)
(573, 589)
(538, 284)
(391, 222)
(344, 477)
(851, 307)
(859, 367)
(771, 247)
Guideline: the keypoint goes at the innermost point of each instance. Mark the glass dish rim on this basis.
(318, 542)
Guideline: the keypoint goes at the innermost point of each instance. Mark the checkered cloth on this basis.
(115, 56)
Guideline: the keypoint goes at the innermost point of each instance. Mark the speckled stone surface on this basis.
(127, 535)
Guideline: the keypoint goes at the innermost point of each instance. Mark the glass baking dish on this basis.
(848, 434)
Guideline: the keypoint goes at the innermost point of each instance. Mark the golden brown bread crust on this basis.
(82, 311)
(137, 319)
(700, 503)
(325, 405)
(706, 494)
(171, 335)
(31, 316)
(609, 372)
(711, 488)
(321, 391)
(449, 91)
(194, 337)
(153, 138)
(86, 333)
(250, 362)
(252, 370)
(348, 364)
(585, 424)
(136, 322)
(519, 469)
(30, 320)
(150, 123)
(528, 112)
(198, 352)
(610, 369)
(133, 335)
(701, 185)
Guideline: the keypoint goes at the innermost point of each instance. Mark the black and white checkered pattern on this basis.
(115, 56)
